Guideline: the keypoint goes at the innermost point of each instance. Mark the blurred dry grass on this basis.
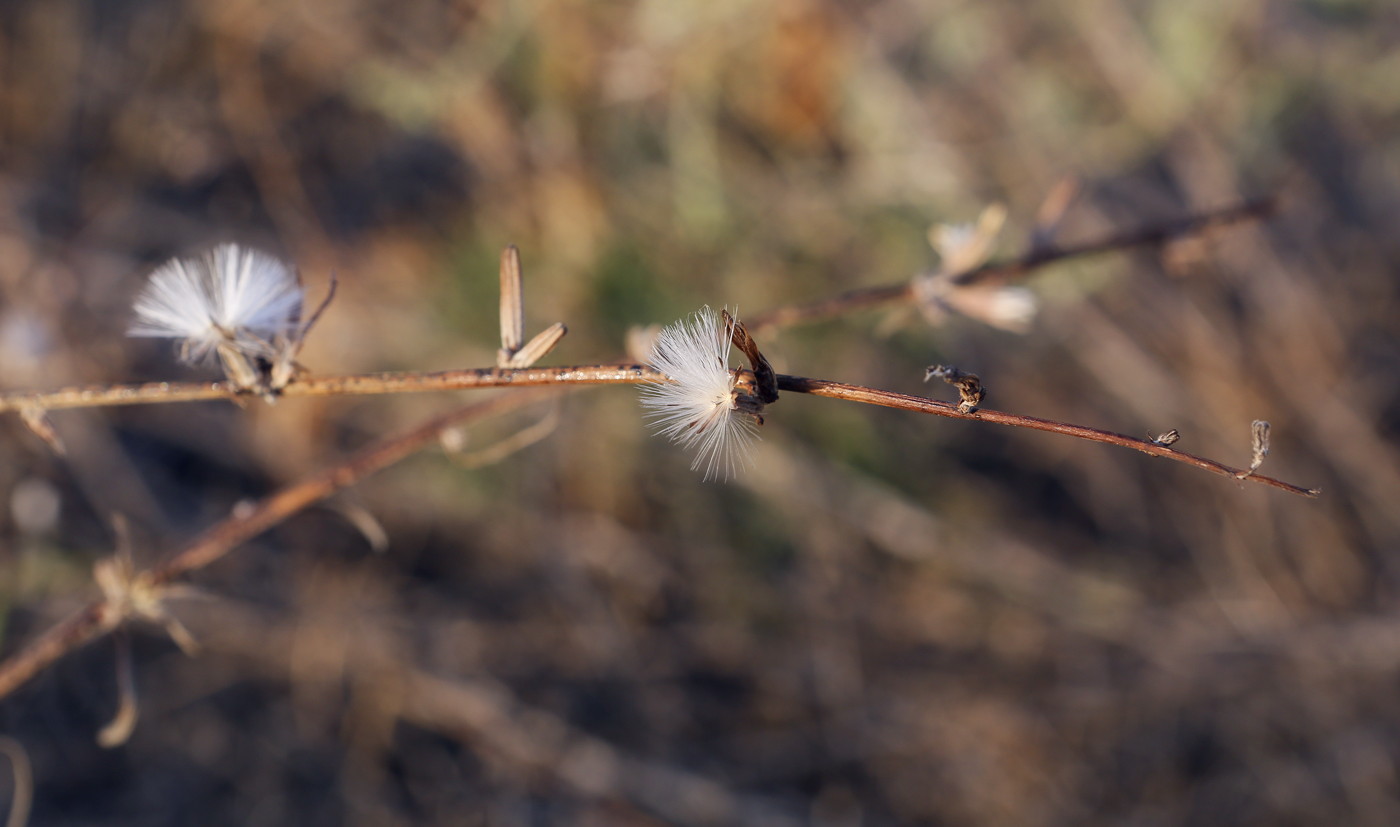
(891, 620)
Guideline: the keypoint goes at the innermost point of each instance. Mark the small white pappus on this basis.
(240, 304)
(699, 408)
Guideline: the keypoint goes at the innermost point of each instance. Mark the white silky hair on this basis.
(697, 409)
(230, 295)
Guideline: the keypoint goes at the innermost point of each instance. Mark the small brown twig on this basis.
(1034, 259)
(890, 399)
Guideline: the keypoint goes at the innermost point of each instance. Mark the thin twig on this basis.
(268, 512)
(96, 619)
(889, 399)
(630, 374)
(363, 383)
(517, 441)
(1037, 257)
(61, 638)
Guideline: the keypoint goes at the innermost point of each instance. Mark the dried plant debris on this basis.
(970, 390)
(118, 730)
(765, 379)
(22, 791)
(963, 247)
(1169, 438)
(37, 419)
(1259, 445)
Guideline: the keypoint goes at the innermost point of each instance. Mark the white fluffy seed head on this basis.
(698, 408)
(230, 296)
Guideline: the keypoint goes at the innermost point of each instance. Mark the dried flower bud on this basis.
(1259, 446)
(1259, 438)
(1169, 438)
(970, 390)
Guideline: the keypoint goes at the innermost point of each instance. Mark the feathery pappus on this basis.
(240, 304)
(700, 407)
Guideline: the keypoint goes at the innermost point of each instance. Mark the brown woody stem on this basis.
(890, 399)
(364, 383)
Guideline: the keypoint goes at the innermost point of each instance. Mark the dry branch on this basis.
(103, 616)
(362, 383)
(904, 402)
(1037, 257)
(98, 618)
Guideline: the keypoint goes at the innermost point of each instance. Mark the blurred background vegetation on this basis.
(892, 619)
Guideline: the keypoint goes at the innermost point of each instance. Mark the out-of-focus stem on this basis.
(867, 297)
(98, 618)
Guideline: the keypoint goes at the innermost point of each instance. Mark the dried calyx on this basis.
(765, 380)
(970, 390)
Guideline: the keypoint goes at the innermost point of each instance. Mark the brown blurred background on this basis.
(893, 619)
